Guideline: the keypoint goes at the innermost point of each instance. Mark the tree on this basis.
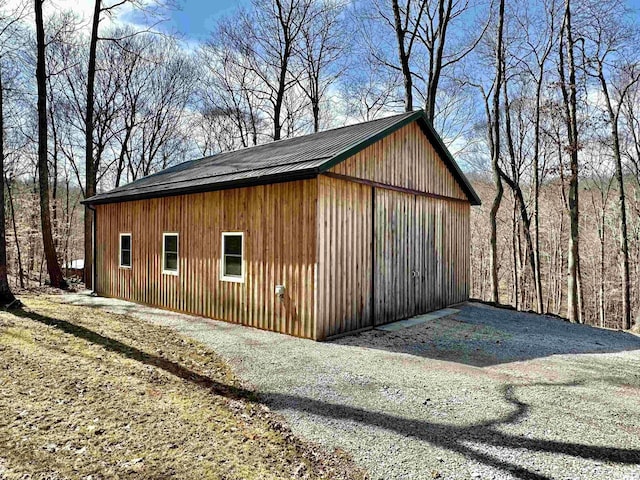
(322, 44)
(406, 30)
(494, 142)
(227, 98)
(267, 36)
(606, 44)
(540, 48)
(6, 296)
(569, 95)
(90, 166)
(443, 19)
(92, 161)
(53, 268)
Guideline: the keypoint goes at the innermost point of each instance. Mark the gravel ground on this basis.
(485, 393)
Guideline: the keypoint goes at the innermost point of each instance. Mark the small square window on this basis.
(170, 253)
(125, 250)
(232, 262)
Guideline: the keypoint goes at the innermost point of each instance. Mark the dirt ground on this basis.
(92, 395)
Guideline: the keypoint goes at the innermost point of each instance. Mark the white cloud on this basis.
(82, 8)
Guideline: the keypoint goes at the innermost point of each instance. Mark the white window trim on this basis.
(227, 278)
(120, 265)
(164, 270)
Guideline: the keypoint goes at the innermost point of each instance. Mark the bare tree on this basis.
(607, 37)
(53, 268)
(321, 45)
(6, 296)
(443, 18)
(227, 97)
(406, 24)
(92, 161)
(494, 142)
(569, 95)
(267, 35)
(540, 48)
(90, 166)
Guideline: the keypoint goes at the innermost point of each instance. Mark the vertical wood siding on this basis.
(421, 254)
(395, 251)
(279, 225)
(417, 259)
(344, 256)
(403, 159)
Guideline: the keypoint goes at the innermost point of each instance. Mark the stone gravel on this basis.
(485, 393)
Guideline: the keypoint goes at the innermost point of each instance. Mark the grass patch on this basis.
(89, 394)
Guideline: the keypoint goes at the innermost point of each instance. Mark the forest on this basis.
(538, 100)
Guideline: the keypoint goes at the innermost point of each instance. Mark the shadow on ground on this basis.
(451, 437)
(482, 335)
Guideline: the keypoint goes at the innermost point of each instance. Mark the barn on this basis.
(313, 236)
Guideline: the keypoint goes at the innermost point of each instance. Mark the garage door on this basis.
(407, 255)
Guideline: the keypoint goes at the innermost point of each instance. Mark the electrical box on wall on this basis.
(280, 291)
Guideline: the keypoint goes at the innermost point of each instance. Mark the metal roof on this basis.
(279, 161)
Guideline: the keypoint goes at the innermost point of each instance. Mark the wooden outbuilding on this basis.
(313, 236)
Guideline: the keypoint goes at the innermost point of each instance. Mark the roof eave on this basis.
(245, 182)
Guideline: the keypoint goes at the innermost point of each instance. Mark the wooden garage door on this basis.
(407, 255)
(394, 248)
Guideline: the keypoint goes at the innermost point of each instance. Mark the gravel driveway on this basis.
(485, 393)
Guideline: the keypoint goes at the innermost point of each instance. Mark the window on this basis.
(170, 253)
(125, 250)
(232, 268)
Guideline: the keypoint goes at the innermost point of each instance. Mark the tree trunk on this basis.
(514, 183)
(622, 205)
(15, 235)
(514, 247)
(315, 106)
(495, 159)
(602, 270)
(403, 57)
(6, 296)
(90, 166)
(537, 277)
(282, 81)
(53, 268)
(569, 96)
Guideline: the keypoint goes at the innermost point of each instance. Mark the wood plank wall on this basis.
(396, 234)
(422, 244)
(344, 256)
(444, 266)
(406, 159)
(421, 254)
(279, 224)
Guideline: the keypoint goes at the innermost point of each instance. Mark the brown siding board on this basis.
(274, 219)
(421, 225)
(344, 256)
(405, 158)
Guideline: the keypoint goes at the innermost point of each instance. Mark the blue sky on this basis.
(195, 18)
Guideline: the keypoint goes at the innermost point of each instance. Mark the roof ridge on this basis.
(273, 142)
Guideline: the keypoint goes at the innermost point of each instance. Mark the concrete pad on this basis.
(417, 320)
